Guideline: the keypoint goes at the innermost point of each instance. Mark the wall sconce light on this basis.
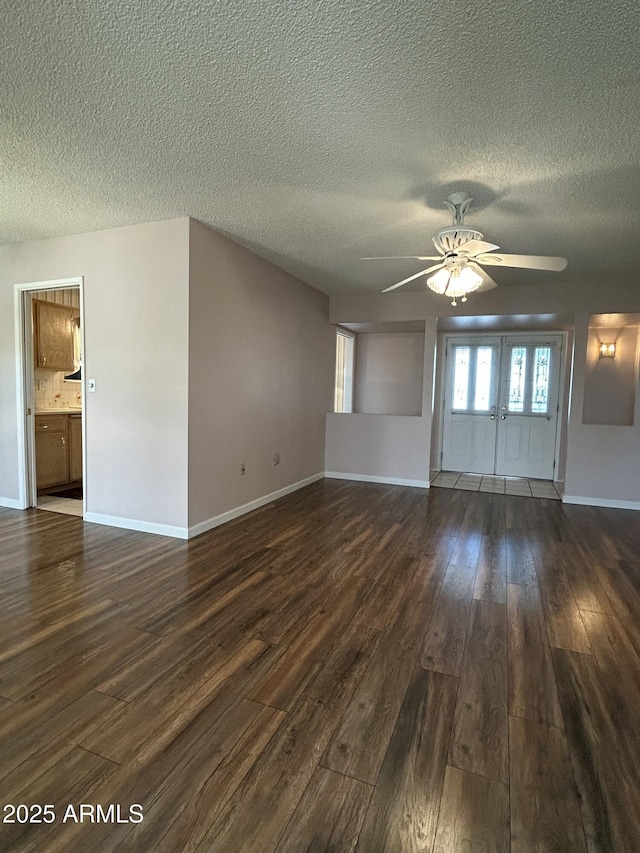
(607, 349)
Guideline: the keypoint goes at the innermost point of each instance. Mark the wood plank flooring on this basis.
(354, 668)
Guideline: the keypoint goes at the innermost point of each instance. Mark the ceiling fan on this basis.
(462, 254)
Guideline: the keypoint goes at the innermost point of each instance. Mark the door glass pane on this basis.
(461, 378)
(516, 379)
(482, 395)
(540, 389)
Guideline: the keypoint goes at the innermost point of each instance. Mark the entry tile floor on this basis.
(497, 485)
(67, 506)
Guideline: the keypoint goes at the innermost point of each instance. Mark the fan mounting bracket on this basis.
(458, 204)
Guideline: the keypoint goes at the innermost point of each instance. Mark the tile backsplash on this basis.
(52, 392)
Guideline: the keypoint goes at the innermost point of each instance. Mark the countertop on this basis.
(59, 411)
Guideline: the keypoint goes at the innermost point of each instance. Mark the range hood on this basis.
(76, 376)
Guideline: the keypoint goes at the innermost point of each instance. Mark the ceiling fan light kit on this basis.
(455, 282)
(462, 254)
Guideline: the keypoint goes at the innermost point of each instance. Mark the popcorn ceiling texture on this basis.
(315, 133)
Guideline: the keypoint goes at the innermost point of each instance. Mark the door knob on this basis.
(493, 417)
(503, 408)
(503, 417)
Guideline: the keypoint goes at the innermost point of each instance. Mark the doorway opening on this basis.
(501, 404)
(50, 332)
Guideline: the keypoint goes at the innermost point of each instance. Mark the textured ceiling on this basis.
(316, 133)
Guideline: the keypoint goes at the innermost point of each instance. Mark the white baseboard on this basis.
(368, 478)
(216, 521)
(134, 524)
(602, 502)
(10, 503)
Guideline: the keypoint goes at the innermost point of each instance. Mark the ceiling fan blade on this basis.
(411, 277)
(476, 247)
(404, 258)
(487, 282)
(527, 262)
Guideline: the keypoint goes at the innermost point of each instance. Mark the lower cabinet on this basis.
(75, 447)
(58, 450)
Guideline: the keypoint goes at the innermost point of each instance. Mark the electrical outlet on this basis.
(276, 458)
(243, 469)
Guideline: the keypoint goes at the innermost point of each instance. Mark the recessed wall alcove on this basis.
(389, 366)
(611, 383)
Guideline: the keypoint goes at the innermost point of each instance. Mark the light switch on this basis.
(91, 385)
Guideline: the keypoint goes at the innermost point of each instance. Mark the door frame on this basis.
(25, 386)
(441, 383)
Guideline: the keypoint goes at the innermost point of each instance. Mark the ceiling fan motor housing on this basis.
(451, 237)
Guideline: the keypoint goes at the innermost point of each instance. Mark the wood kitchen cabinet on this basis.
(58, 450)
(52, 450)
(53, 335)
(75, 447)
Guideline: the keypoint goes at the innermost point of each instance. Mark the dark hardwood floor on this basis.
(354, 668)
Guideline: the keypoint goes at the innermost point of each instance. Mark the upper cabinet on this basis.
(53, 335)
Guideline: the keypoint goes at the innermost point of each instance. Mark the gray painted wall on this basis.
(136, 347)
(389, 370)
(261, 361)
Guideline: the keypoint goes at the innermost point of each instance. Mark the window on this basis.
(540, 390)
(484, 367)
(461, 378)
(473, 372)
(343, 398)
(530, 379)
(517, 379)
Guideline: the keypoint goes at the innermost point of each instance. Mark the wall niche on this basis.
(389, 368)
(611, 383)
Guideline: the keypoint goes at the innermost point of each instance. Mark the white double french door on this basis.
(501, 404)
